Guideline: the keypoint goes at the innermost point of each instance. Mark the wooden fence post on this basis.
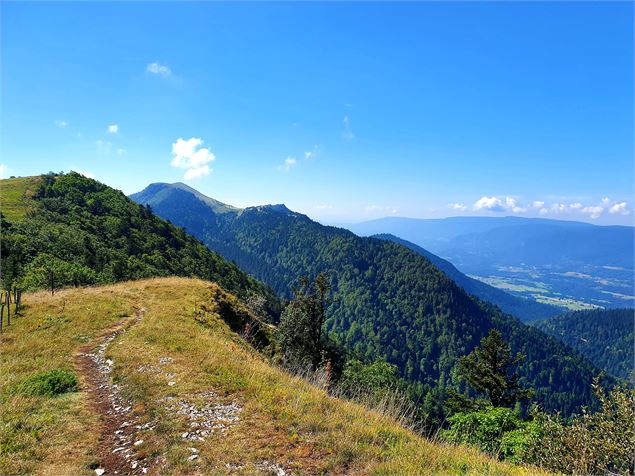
(52, 283)
(1, 312)
(8, 299)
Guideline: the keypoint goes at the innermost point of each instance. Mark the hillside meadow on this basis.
(280, 422)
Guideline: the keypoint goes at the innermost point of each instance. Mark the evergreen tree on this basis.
(490, 369)
(300, 333)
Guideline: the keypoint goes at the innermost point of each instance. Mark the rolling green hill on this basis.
(79, 231)
(604, 336)
(390, 302)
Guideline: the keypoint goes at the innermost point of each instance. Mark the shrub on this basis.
(498, 431)
(602, 442)
(51, 383)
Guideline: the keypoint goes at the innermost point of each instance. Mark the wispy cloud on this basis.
(121, 152)
(619, 209)
(113, 129)
(347, 133)
(160, 69)
(85, 173)
(374, 209)
(188, 154)
(61, 123)
(103, 146)
(313, 153)
(593, 212)
(288, 164)
(458, 206)
(508, 204)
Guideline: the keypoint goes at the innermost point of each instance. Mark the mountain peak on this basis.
(157, 192)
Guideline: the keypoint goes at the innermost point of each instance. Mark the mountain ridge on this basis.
(389, 301)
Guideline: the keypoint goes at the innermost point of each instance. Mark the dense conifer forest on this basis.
(389, 302)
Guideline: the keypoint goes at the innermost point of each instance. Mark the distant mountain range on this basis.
(389, 301)
(565, 263)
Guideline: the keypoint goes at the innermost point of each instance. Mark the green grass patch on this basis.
(51, 383)
(15, 196)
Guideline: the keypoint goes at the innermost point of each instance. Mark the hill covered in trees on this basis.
(524, 309)
(389, 301)
(604, 336)
(69, 230)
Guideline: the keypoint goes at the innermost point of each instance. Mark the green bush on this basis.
(51, 383)
(601, 442)
(374, 378)
(498, 431)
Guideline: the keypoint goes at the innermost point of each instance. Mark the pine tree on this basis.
(300, 332)
(490, 369)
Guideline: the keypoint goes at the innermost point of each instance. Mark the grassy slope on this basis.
(14, 196)
(283, 418)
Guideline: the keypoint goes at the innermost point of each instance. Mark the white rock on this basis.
(100, 471)
(192, 458)
(171, 384)
(138, 442)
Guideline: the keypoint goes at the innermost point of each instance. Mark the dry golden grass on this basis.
(283, 419)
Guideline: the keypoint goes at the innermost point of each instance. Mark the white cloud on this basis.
(113, 129)
(61, 123)
(347, 133)
(606, 202)
(3, 170)
(188, 154)
(85, 173)
(458, 206)
(593, 212)
(489, 203)
(511, 205)
(538, 204)
(495, 204)
(196, 172)
(543, 211)
(619, 208)
(121, 152)
(380, 209)
(311, 154)
(558, 208)
(158, 68)
(289, 162)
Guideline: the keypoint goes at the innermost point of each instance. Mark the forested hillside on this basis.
(604, 336)
(390, 302)
(78, 231)
(524, 309)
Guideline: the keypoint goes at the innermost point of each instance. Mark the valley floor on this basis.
(161, 393)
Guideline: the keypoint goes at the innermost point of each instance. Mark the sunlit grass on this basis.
(14, 196)
(284, 419)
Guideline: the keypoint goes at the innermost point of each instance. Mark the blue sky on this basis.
(343, 111)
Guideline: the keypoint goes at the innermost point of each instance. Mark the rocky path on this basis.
(119, 427)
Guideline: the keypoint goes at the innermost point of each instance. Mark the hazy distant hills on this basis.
(389, 301)
(565, 263)
(604, 336)
(524, 309)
